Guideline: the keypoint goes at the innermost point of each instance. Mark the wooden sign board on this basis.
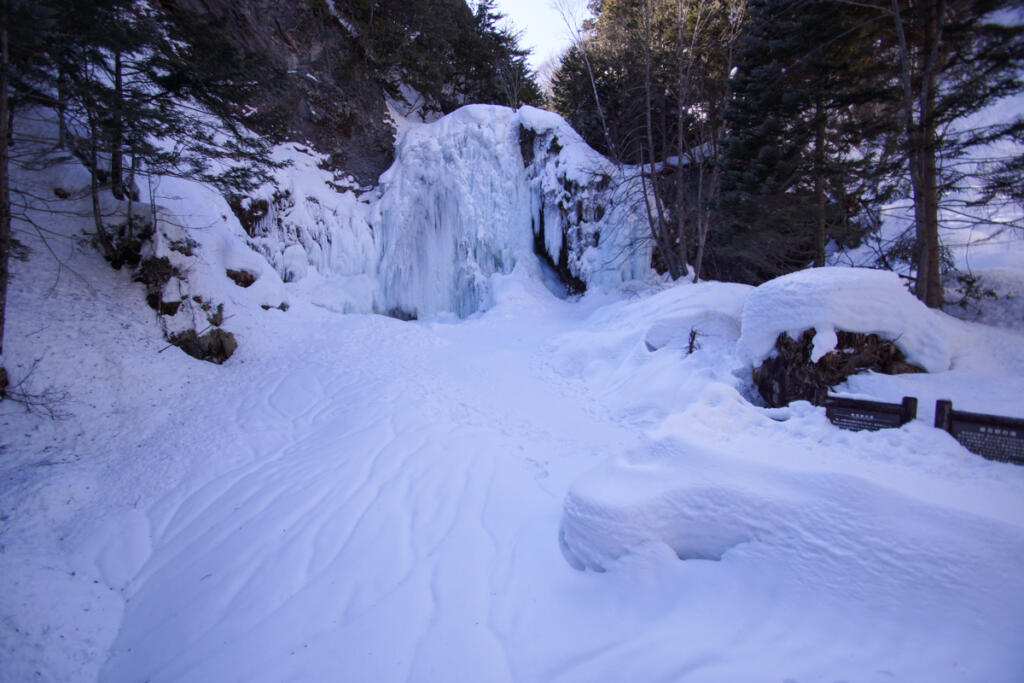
(990, 436)
(856, 415)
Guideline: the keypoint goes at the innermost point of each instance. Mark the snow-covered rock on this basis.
(309, 218)
(849, 299)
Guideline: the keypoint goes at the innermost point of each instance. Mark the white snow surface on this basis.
(547, 490)
(847, 299)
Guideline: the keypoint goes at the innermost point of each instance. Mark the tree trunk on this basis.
(62, 99)
(819, 184)
(659, 238)
(117, 132)
(659, 226)
(681, 236)
(930, 286)
(5, 195)
(94, 191)
(702, 233)
(131, 196)
(921, 146)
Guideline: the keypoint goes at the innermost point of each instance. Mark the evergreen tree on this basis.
(5, 197)
(131, 102)
(497, 68)
(447, 52)
(809, 137)
(573, 97)
(659, 70)
(836, 107)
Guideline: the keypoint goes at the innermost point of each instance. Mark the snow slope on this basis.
(548, 490)
(356, 498)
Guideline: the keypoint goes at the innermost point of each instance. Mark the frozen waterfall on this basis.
(454, 209)
(473, 194)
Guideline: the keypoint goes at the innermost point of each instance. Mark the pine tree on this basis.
(798, 108)
(659, 70)
(131, 101)
(446, 51)
(20, 64)
(573, 97)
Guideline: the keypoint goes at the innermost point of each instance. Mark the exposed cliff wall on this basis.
(328, 95)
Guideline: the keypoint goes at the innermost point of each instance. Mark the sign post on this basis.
(990, 436)
(856, 415)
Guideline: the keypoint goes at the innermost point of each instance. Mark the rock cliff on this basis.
(329, 95)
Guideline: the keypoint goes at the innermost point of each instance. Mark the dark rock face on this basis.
(242, 278)
(216, 346)
(329, 96)
(791, 376)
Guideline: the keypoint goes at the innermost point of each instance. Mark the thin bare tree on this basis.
(569, 11)
(5, 195)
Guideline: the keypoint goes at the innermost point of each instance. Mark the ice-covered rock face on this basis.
(587, 214)
(479, 191)
(472, 194)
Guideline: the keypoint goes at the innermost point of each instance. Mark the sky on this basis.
(544, 31)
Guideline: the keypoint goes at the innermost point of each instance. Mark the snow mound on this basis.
(615, 509)
(636, 354)
(686, 331)
(849, 299)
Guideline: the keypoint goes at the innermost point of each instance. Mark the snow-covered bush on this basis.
(848, 299)
(470, 195)
(806, 332)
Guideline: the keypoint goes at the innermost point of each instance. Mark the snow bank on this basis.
(848, 299)
(635, 500)
(354, 498)
(852, 544)
(636, 353)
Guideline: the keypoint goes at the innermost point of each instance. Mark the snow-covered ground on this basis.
(549, 490)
